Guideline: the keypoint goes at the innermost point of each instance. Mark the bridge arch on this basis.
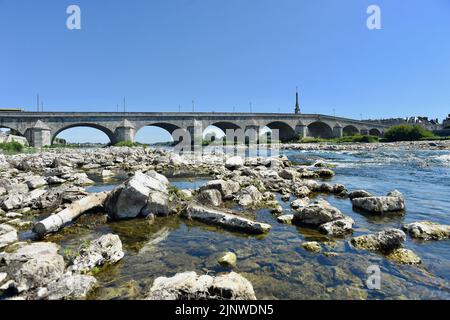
(165, 134)
(226, 125)
(108, 132)
(319, 129)
(350, 130)
(375, 132)
(285, 131)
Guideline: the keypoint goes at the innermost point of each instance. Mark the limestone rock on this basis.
(338, 227)
(190, 286)
(312, 246)
(404, 256)
(359, 194)
(234, 163)
(249, 196)
(71, 287)
(427, 230)
(226, 188)
(105, 250)
(229, 259)
(210, 197)
(224, 219)
(393, 202)
(317, 213)
(35, 182)
(286, 218)
(131, 198)
(8, 235)
(385, 241)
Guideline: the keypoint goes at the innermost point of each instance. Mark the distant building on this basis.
(446, 123)
(426, 123)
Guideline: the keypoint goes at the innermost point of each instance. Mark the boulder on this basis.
(229, 259)
(325, 173)
(299, 203)
(427, 230)
(234, 163)
(25, 252)
(39, 272)
(302, 192)
(404, 256)
(190, 286)
(317, 213)
(12, 201)
(131, 198)
(226, 188)
(8, 235)
(338, 227)
(359, 194)
(312, 246)
(105, 250)
(249, 196)
(385, 241)
(224, 219)
(210, 197)
(288, 174)
(286, 218)
(393, 202)
(70, 286)
(35, 182)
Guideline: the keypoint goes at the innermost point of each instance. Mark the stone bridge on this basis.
(41, 128)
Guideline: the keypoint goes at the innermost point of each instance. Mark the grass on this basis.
(12, 146)
(129, 144)
(357, 138)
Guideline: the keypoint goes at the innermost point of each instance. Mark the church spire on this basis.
(297, 105)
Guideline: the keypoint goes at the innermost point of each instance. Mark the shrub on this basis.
(130, 144)
(12, 146)
(406, 132)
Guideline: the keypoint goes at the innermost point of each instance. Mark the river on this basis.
(276, 264)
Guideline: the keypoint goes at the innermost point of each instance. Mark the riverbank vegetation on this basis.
(357, 138)
(12, 146)
(406, 132)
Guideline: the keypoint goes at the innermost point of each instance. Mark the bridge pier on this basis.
(125, 132)
(364, 132)
(338, 131)
(301, 131)
(39, 135)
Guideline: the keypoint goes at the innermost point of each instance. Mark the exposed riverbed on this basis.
(276, 264)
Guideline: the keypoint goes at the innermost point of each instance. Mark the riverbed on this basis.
(276, 264)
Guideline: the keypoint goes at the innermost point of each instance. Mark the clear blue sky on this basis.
(160, 54)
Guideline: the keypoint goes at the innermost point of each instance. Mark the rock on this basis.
(105, 250)
(229, 259)
(39, 272)
(302, 192)
(277, 210)
(210, 197)
(26, 252)
(57, 196)
(224, 219)
(286, 218)
(71, 287)
(13, 201)
(8, 235)
(186, 194)
(404, 256)
(55, 180)
(385, 241)
(190, 286)
(3, 276)
(249, 196)
(107, 173)
(131, 198)
(325, 173)
(288, 174)
(394, 202)
(427, 230)
(317, 213)
(226, 188)
(299, 203)
(359, 194)
(177, 160)
(35, 182)
(338, 227)
(312, 246)
(234, 163)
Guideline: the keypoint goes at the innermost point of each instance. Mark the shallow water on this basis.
(276, 264)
